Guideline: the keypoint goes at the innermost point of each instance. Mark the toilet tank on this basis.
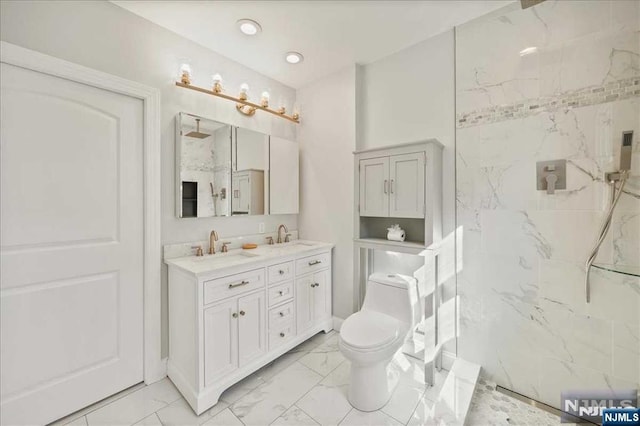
(392, 294)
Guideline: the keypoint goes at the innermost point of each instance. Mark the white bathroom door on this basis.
(71, 288)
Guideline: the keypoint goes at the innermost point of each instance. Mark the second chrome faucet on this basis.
(213, 237)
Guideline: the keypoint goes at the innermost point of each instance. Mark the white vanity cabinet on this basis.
(393, 186)
(227, 322)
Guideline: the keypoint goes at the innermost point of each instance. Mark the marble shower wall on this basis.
(523, 314)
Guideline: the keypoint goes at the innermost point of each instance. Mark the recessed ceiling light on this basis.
(528, 51)
(293, 57)
(249, 26)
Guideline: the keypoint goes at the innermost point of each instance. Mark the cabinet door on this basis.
(251, 327)
(406, 185)
(321, 295)
(374, 187)
(304, 302)
(220, 340)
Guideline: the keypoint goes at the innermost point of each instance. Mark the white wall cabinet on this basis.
(393, 186)
(226, 324)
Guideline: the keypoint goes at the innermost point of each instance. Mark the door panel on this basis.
(251, 327)
(321, 296)
(406, 185)
(374, 187)
(220, 340)
(71, 245)
(304, 302)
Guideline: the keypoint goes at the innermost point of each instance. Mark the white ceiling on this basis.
(330, 34)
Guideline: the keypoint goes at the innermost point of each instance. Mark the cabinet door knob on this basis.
(235, 315)
(281, 334)
(242, 313)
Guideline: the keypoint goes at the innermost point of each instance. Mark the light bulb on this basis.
(296, 111)
(185, 73)
(264, 99)
(244, 89)
(217, 83)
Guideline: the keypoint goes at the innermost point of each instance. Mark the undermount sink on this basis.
(291, 244)
(225, 257)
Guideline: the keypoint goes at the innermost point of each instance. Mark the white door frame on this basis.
(154, 366)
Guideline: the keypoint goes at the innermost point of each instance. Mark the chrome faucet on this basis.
(280, 228)
(213, 237)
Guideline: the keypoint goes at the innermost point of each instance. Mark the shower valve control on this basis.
(551, 175)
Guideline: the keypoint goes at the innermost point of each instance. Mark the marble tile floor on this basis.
(306, 386)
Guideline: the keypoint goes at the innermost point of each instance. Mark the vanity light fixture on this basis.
(249, 27)
(293, 57)
(243, 104)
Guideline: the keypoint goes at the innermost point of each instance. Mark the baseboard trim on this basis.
(337, 323)
(448, 358)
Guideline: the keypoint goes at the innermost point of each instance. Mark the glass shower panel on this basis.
(557, 81)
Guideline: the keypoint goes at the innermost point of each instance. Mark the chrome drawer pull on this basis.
(315, 262)
(243, 282)
(315, 285)
(281, 334)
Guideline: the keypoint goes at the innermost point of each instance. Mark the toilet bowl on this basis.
(370, 338)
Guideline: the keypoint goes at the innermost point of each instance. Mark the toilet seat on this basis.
(370, 330)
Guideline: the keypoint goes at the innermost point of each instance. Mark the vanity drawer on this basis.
(281, 315)
(280, 293)
(224, 287)
(280, 272)
(281, 335)
(313, 263)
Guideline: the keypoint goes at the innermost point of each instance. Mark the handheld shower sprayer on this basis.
(616, 191)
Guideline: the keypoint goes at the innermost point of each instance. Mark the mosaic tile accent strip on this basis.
(614, 91)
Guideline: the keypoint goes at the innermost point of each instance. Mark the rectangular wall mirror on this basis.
(223, 170)
(203, 167)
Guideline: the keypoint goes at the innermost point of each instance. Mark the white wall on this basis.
(103, 36)
(327, 141)
(408, 97)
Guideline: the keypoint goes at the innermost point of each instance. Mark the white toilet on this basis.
(370, 338)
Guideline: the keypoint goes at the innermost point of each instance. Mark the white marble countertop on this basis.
(215, 263)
